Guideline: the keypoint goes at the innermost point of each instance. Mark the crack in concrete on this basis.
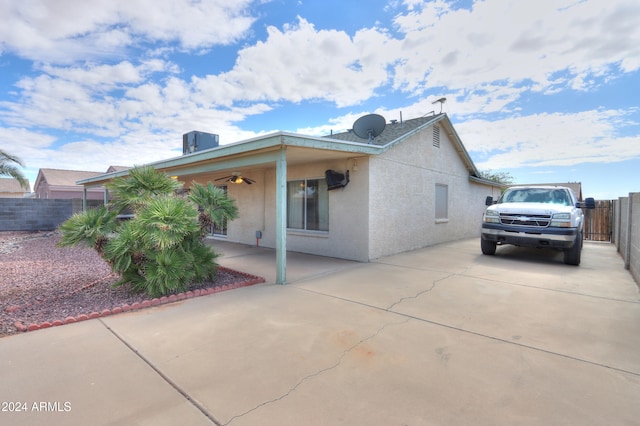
(420, 293)
(317, 373)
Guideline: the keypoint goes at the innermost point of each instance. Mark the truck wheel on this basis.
(488, 247)
(572, 255)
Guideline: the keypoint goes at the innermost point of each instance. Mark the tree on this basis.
(499, 177)
(8, 168)
(161, 249)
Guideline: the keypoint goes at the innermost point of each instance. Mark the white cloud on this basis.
(510, 42)
(301, 63)
(558, 139)
(62, 31)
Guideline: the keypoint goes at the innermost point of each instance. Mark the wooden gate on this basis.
(598, 222)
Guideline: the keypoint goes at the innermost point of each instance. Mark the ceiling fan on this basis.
(236, 177)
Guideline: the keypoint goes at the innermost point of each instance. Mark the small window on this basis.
(442, 202)
(308, 205)
(436, 136)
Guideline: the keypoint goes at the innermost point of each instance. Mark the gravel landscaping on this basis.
(43, 285)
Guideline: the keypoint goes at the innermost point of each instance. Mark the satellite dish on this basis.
(369, 126)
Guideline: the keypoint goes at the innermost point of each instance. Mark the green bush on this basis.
(161, 249)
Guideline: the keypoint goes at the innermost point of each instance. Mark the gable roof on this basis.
(395, 132)
(57, 177)
(11, 185)
(112, 169)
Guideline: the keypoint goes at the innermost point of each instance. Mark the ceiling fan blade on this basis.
(248, 181)
(223, 178)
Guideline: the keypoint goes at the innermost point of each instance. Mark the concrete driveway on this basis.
(438, 336)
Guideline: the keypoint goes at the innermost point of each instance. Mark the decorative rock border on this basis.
(250, 280)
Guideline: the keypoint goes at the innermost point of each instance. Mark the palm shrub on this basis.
(161, 249)
(92, 228)
(214, 205)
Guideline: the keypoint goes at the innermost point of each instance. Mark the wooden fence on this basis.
(598, 222)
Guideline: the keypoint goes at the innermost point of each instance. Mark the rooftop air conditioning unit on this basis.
(198, 141)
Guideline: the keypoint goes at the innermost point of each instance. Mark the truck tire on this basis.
(572, 255)
(488, 247)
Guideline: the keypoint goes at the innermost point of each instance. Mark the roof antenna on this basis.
(441, 100)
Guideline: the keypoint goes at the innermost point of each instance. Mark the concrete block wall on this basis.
(627, 232)
(37, 214)
(634, 236)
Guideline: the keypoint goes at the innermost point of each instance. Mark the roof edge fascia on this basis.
(462, 150)
(272, 140)
(487, 182)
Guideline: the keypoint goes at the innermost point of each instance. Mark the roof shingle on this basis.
(11, 185)
(391, 132)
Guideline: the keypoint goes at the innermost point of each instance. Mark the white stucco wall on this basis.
(348, 219)
(402, 202)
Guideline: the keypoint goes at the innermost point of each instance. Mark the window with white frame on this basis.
(308, 205)
(442, 202)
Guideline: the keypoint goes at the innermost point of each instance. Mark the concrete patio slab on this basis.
(441, 336)
(82, 374)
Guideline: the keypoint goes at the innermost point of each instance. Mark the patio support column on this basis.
(84, 198)
(281, 217)
(106, 195)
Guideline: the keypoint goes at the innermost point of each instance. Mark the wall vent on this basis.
(436, 136)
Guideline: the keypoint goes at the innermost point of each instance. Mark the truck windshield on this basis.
(536, 195)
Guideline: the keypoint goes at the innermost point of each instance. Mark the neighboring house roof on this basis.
(10, 185)
(112, 169)
(62, 178)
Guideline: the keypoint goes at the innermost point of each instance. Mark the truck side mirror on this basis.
(488, 201)
(590, 203)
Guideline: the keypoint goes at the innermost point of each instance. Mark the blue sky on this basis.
(546, 91)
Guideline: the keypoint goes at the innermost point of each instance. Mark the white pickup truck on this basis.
(536, 216)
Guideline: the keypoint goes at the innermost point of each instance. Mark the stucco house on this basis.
(61, 184)
(412, 186)
(10, 188)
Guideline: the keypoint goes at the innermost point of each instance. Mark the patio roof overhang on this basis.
(299, 149)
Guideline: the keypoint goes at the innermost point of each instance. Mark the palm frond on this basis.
(90, 227)
(166, 221)
(9, 169)
(141, 186)
(217, 206)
